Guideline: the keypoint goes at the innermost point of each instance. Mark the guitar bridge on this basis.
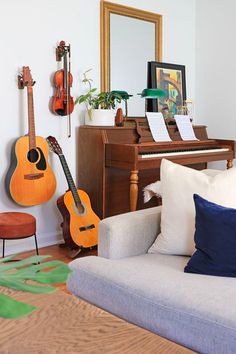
(32, 176)
(85, 228)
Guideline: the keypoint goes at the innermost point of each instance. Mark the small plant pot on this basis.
(100, 117)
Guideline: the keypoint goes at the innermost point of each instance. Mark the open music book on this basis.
(185, 127)
(157, 126)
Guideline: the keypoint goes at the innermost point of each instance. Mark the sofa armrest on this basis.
(128, 234)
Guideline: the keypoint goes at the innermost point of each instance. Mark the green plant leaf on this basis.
(104, 100)
(11, 308)
(20, 285)
(56, 275)
(7, 259)
(22, 263)
(41, 266)
(77, 100)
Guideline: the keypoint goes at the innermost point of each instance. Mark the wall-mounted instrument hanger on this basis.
(62, 103)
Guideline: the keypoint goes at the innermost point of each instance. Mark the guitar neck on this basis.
(32, 139)
(70, 181)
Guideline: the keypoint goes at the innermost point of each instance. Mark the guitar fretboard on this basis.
(32, 140)
(70, 181)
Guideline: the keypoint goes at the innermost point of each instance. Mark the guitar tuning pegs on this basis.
(34, 82)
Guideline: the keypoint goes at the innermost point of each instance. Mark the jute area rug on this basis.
(63, 324)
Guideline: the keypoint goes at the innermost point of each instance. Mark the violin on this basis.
(62, 103)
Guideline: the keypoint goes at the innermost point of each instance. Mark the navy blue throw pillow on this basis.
(215, 239)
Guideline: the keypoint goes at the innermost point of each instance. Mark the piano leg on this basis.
(229, 164)
(133, 190)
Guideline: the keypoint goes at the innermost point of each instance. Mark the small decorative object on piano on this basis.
(119, 118)
(100, 107)
(182, 110)
(190, 109)
(186, 109)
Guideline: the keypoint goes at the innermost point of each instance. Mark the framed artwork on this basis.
(171, 79)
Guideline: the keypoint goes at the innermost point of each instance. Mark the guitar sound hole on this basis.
(33, 155)
(81, 209)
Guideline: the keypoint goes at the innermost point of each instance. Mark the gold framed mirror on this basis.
(129, 39)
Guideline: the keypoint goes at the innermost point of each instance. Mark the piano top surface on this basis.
(136, 131)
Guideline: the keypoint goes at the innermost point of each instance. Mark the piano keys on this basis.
(116, 163)
(170, 153)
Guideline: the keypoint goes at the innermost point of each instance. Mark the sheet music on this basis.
(157, 126)
(185, 127)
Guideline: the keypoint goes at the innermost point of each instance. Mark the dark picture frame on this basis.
(171, 78)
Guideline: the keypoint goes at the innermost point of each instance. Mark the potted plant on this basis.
(100, 107)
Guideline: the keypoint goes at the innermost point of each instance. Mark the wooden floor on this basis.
(59, 252)
(63, 324)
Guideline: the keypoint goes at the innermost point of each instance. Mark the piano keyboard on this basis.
(149, 155)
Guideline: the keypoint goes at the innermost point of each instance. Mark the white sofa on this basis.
(152, 290)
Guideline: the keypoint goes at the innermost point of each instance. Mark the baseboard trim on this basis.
(27, 244)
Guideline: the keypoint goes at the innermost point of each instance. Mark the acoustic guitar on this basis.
(80, 223)
(30, 180)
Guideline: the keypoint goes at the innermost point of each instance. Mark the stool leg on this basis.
(36, 244)
(3, 248)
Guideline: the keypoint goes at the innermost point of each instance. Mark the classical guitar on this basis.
(80, 223)
(30, 180)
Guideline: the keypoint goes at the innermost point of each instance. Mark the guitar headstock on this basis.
(53, 145)
(26, 78)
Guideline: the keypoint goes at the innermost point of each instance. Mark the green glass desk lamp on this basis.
(152, 93)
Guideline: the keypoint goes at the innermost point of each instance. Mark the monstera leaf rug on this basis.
(24, 275)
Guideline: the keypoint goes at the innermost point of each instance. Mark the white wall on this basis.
(29, 33)
(215, 66)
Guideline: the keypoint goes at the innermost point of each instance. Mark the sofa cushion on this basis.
(178, 184)
(215, 239)
(153, 292)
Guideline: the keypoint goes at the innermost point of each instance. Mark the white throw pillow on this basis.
(178, 184)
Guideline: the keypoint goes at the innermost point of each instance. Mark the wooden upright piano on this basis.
(116, 163)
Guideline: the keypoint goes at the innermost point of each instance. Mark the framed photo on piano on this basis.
(171, 79)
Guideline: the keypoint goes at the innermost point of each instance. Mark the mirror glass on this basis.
(132, 45)
(129, 39)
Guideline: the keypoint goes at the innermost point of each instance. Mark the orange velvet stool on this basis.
(14, 226)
